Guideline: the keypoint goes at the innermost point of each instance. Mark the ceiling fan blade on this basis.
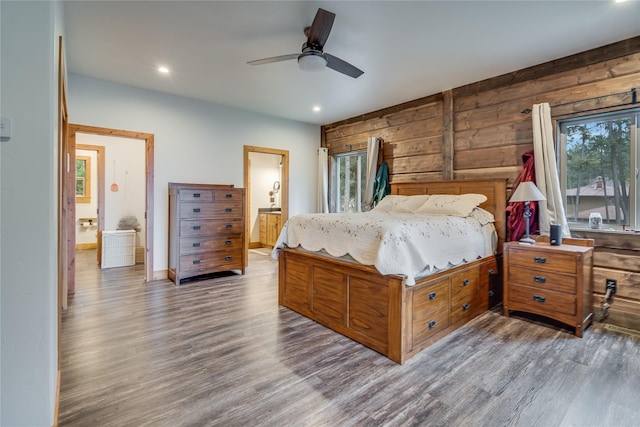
(274, 59)
(342, 66)
(320, 28)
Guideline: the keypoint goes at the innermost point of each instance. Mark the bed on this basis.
(397, 315)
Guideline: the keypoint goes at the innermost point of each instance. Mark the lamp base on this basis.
(528, 240)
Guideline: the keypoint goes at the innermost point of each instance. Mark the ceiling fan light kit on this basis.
(312, 61)
(312, 57)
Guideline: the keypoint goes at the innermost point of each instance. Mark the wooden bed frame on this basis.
(379, 311)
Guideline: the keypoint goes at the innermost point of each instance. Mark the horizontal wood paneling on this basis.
(481, 130)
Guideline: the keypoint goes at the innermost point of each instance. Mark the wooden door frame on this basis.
(148, 138)
(284, 184)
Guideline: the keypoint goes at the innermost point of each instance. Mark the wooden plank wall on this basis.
(481, 130)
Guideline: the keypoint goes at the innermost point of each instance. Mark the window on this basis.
(598, 165)
(348, 181)
(83, 179)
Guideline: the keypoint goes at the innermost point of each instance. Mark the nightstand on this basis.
(551, 281)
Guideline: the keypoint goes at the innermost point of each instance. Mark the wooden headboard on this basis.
(495, 190)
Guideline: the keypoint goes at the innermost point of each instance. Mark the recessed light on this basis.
(316, 108)
(620, 1)
(163, 70)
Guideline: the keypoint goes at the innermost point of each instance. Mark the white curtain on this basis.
(323, 180)
(552, 210)
(373, 145)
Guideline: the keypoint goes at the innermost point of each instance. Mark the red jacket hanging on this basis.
(516, 224)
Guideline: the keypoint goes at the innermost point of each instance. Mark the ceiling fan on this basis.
(312, 57)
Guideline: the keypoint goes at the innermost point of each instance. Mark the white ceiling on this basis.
(407, 49)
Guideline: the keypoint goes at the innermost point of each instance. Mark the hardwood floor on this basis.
(222, 352)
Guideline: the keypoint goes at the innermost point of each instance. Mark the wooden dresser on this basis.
(551, 281)
(206, 229)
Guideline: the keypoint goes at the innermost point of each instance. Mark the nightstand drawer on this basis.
(542, 279)
(541, 301)
(548, 261)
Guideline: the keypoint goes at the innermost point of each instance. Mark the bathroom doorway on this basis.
(266, 180)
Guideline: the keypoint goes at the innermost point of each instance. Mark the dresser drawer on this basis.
(430, 311)
(230, 209)
(196, 195)
(209, 227)
(541, 301)
(542, 279)
(192, 245)
(212, 261)
(548, 261)
(228, 195)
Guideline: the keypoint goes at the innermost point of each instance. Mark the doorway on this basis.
(148, 139)
(280, 161)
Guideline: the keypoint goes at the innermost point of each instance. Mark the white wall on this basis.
(28, 212)
(265, 170)
(196, 141)
(128, 172)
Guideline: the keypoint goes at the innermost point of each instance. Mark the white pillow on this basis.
(394, 203)
(452, 204)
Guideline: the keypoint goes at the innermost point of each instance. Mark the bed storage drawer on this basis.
(464, 295)
(430, 312)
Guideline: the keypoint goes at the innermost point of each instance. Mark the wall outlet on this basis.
(611, 284)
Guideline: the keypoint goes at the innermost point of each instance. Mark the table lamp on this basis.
(527, 192)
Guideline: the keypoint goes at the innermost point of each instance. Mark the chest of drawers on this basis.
(551, 281)
(206, 229)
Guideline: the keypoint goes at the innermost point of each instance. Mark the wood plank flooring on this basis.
(221, 352)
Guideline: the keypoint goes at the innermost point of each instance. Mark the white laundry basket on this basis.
(118, 248)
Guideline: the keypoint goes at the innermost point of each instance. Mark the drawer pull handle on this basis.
(491, 293)
(228, 210)
(432, 324)
(196, 210)
(465, 282)
(227, 242)
(539, 298)
(196, 195)
(229, 225)
(196, 245)
(432, 296)
(228, 195)
(540, 279)
(539, 259)
(196, 227)
(491, 272)
(465, 307)
(196, 261)
(228, 257)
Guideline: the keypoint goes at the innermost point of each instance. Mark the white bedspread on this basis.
(410, 244)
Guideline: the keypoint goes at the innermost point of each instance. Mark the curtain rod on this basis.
(634, 100)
